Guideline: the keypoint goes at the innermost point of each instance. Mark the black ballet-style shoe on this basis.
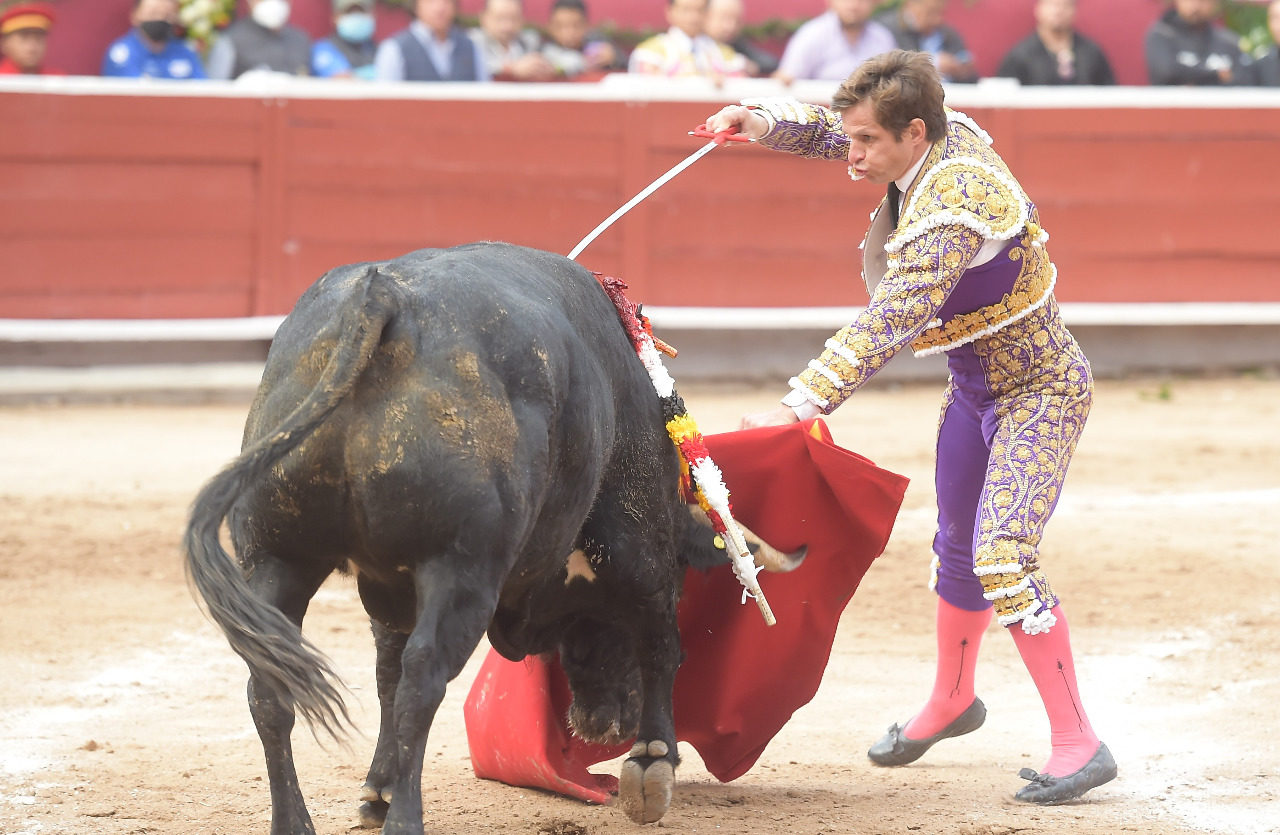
(1047, 790)
(896, 749)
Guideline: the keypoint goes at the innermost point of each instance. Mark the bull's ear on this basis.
(700, 545)
(699, 516)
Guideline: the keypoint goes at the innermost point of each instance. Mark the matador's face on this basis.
(875, 154)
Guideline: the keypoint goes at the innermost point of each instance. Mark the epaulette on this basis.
(972, 188)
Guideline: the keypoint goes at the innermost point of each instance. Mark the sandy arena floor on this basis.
(122, 709)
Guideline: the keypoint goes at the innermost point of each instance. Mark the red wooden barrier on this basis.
(224, 205)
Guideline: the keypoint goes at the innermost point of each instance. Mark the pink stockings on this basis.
(959, 633)
(1047, 657)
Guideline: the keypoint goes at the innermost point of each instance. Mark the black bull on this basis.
(470, 432)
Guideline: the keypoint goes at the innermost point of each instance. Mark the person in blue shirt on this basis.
(151, 49)
(349, 51)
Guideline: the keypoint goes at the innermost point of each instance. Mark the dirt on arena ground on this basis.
(122, 709)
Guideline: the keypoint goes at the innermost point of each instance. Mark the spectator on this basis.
(151, 49)
(1267, 68)
(24, 38)
(685, 49)
(509, 50)
(724, 25)
(568, 46)
(1055, 53)
(917, 26)
(264, 42)
(1187, 47)
(349, 51)
(432, 48)
(832, 45)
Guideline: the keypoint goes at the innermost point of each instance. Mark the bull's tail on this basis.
(270, 643)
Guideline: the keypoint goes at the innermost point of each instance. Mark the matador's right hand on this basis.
(744, 119)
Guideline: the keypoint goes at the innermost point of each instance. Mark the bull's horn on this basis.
(766, 556)
(770, 558)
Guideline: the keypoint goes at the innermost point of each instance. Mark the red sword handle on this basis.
(721, 137)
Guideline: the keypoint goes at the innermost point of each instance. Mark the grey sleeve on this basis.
(388, 62)
(222, 59)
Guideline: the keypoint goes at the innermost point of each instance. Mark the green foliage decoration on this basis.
(202, 18)
(1249, 20)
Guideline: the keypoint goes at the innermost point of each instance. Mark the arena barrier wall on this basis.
(223, 201)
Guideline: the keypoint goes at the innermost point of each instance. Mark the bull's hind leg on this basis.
(289, 588)
(377, 791)
(456, 599)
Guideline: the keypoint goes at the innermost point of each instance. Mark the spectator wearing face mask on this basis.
(152, 49)
(349, 51)
(264, 41)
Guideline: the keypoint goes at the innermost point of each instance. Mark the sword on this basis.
(717, 139)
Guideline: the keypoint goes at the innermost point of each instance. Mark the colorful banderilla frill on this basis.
(702, 478)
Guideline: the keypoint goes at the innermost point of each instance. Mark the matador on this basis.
(955, 263)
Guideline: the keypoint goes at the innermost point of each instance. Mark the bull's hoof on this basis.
(644, 787)
(373, 811)
(373, 814)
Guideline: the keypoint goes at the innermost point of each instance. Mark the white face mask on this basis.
(271, 14)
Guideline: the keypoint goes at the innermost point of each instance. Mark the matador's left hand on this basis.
(780, 416)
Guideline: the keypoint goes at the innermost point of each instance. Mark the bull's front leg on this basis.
(648, 775)
(599, 659)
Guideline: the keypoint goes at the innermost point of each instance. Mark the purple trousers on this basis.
(1014, 409)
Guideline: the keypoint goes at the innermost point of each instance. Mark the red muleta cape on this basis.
(741, 680)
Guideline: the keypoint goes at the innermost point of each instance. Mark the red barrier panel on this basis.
(161, 206)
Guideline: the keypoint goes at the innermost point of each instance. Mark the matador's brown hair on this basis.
(900, 86)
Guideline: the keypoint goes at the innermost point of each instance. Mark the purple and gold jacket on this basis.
(927, 297)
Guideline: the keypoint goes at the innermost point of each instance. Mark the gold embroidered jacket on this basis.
(963, 195)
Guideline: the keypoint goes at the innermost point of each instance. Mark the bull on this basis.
(470, 433)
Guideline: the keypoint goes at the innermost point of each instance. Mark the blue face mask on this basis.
(356, 27)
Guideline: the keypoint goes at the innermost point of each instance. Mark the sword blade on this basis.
(649, 189)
